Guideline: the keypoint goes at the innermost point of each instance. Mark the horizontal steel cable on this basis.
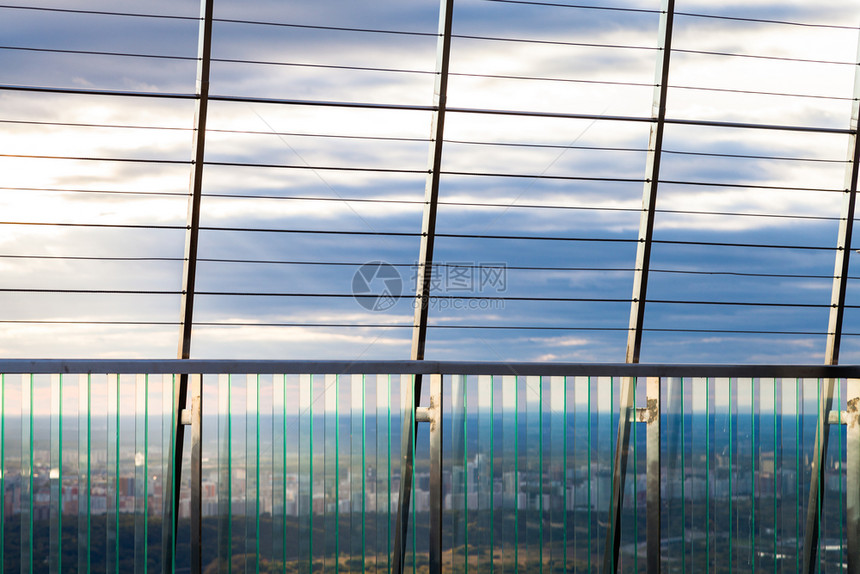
(515, 206)
(422, 172)
(356, 264)
(426, 140)
(472, 75)
(416, 234)
(407, 326)
(503, 298)
(91, 125)
(99, 12)
(677, 13)
(579, 6)
(111, 159)
(413, 265)
(430, 72)
(422, 108)
(98, 191)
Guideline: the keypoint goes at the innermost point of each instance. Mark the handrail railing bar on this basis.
(423, 367)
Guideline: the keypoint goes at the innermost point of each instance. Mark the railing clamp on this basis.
(644, 414)
(846, 417)
(427, 414)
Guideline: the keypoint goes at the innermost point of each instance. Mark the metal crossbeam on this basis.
(189, 274)
(834, 340)
(640, 287)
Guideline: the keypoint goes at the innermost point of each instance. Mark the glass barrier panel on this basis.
(302, 473)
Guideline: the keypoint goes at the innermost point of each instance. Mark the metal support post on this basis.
(650, 416)
(640, 281)
(407, 459)
(834, 334)
(425, 269)
(194, 418)
(197, 475)
(851, 418)
(852, 471)
(174, 486)
(816, 493)
(189, 273)
(433, 415)
(619, 472)
(653, 477)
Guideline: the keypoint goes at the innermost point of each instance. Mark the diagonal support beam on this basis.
(189, 274)
(834, 338)
(195, 186)
(640, 286)
(431, 188)
(652, 177)
(425, 271)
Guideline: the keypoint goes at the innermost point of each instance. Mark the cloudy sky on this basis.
(532, 207)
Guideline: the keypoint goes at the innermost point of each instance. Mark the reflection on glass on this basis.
(141, 436)
(480, 433)
(698, 475)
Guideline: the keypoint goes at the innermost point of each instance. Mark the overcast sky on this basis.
(571, 60)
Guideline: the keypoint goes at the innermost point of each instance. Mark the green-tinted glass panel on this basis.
(833, 537)
(697, 489)
(141, 467)
(481, 434)
(305, 474)
(225, 462)
(251, 446)
(293, 520)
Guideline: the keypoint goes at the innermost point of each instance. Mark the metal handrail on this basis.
(424, 367)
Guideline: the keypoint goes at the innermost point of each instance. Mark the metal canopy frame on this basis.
(634, 342)
(185, 416)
